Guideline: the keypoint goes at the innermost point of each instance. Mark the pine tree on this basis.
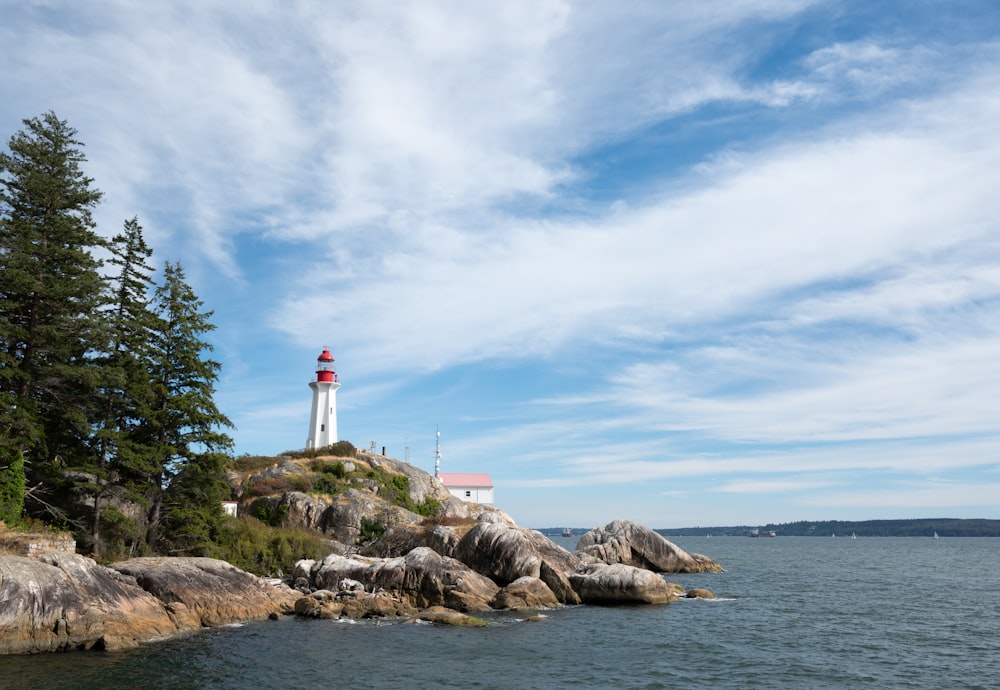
(183, 426)
(12, 486)
(123, 462)
(50, 291)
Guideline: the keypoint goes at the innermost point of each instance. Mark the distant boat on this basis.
(568, 532)
(935, 535)
(853, 535)
(756, 533)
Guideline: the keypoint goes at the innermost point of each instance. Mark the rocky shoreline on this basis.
(447, 574)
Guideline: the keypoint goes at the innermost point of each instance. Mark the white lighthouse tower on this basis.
(323, 419)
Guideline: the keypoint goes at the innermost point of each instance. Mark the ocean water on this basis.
(806, 612)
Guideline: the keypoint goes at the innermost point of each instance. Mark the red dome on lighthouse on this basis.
(324, 367)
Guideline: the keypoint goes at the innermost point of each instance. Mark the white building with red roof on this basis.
(471, 487)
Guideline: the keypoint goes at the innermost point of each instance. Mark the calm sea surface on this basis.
(806, 612)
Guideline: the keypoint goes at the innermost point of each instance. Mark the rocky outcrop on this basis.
(601, 583)
(64, 601)
(700, 593)
(352, 603)
(505, 552)
(420, 579)
(632, 544)
(526, 593)
(213, 592)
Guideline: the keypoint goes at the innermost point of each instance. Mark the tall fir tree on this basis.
(123, 462)
(183, 426)
(12, 486)
(50, 292)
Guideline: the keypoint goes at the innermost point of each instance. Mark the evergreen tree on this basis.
(12, 485)
(183, 425)
(193, 520)
(50, 291)
(123, 462)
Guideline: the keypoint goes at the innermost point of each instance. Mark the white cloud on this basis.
(439, 185)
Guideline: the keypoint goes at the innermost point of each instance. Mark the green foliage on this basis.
(270, 486)
(122, 537)
(183, 422)
(125, 392)
(258, 548)
(193, 519)
(372, 529)
(106, 393)
(340, 449)
(431, 507)
(12, 484)
(272, 515)
(334, 469)
(50, 291)
(250, 463)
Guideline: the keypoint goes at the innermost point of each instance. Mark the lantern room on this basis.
(324, 367)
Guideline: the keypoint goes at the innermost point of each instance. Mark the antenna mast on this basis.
(437, 452)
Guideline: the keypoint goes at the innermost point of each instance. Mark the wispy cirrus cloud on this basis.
(665, 248)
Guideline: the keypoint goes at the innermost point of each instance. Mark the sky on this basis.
(687, 264)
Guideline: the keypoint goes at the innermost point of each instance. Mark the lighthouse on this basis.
(323, 419)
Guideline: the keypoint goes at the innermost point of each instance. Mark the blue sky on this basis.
(682, 263)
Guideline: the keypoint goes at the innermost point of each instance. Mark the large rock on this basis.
(526, 593)
(601, 583)
(506, 552)
(632, 544)
(352, 603)
(63, 601)
(422, 578)
(213, 591)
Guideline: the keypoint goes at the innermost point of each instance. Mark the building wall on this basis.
(473, 494)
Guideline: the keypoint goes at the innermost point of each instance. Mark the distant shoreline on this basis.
(914, 527)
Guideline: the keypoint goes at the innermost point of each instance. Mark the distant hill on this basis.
(920, 527)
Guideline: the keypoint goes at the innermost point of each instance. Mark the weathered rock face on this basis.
(422, 578)
(339, 517)
(601, 583)
(213, 592)
(355, 604)
(64, 601)
(526, 593)
(299, 510)
(506, 552)
(632, 544)
(421, 485)
(342, 520)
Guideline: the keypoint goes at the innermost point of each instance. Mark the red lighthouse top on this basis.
(324, 367)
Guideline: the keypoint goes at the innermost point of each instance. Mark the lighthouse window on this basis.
(322, 427)
(468, 493)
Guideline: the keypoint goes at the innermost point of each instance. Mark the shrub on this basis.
(340, 449)
(372, 529)
(263, 550)
(250, 463)
(270, 486)
(272, 515)
(335, 469)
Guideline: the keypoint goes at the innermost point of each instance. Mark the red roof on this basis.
(458, 479)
